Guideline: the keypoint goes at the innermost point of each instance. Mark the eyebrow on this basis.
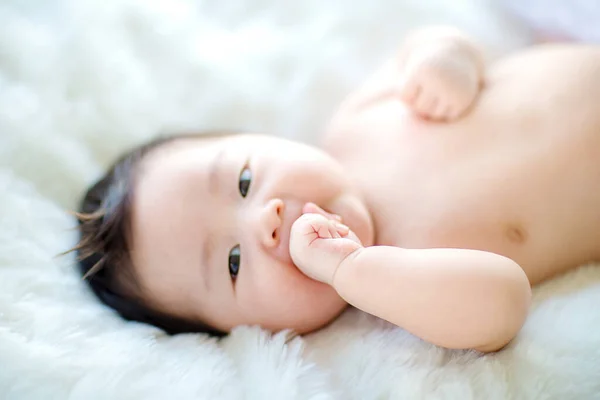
(214, 172)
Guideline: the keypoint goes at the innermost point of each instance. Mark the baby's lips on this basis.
(312, 208)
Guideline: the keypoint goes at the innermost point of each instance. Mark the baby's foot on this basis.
(319, 244)
(440, 80)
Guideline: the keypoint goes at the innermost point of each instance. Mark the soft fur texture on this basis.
(81, 81)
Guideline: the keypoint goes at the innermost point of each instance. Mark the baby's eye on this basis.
(245, 179)
(234, 261)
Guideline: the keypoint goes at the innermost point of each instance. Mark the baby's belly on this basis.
(543, 214)
(541, 227)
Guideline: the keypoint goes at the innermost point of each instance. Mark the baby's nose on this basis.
(270, 224)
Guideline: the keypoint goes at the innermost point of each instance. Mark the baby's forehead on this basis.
(176, 146)
(171, 156)
(171, 150)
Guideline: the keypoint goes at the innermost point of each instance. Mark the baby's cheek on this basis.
(289, 299)
(277, 296)
(274, 288)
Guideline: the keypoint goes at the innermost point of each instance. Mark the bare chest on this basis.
(529, 195)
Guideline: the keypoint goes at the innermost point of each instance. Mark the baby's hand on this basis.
(318, 245)
(440, 80)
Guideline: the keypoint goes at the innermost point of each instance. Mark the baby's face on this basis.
(211, 221)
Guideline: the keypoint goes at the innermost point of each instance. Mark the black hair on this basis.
(103, 251)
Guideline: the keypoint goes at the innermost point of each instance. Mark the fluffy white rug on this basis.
(80, 81)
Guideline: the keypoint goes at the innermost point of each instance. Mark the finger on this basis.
(439, 113)
(426, 105)
(423, 102)
(342, 229)
(409, 90)
(431, 107)
(323, 231)
(448, 113)
(318, 210)
(333, 231)
(312, 208)
(308, 224)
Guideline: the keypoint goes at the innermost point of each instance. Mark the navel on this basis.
(516, 234)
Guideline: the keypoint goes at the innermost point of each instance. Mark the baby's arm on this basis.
(450, 297)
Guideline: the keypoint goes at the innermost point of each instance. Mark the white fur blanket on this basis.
(81, 81)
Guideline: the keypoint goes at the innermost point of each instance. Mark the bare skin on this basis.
(511, 170)
(455, 298)
(475, 183)
(516, 175)
(204, 249)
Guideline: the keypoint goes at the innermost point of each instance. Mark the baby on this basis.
(444, 190)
